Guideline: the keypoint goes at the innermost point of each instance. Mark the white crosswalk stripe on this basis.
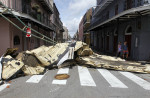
(61, 71)
(141, 82)
(111, 79)
(2, 87)
(85, 77)
(35, 79)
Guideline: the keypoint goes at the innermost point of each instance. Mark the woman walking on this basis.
(125, 50)
(119, 50)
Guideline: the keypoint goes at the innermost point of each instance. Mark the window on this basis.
(139, 24)
(125, 4)
(128, 30)
(38, 16)
(115, 32)
(108, 33)
(116, 9)
(107, 15)
(133, 3)
(43, 18)
(139, 2)
(16, 40)
(129, 4)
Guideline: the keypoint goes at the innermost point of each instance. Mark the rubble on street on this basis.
(36, 61)
(100, 61)
(31, 62)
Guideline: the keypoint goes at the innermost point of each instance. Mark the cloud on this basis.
(73, 25)
(72, 11)
(77, 7)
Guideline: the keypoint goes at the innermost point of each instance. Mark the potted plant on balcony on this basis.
(39, 11)
(35, 6)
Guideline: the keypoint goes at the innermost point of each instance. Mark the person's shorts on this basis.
(125, 52)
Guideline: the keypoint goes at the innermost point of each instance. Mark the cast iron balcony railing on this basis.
(102, 6)
(47, 5)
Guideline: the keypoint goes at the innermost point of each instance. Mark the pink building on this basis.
(34, 13)
(81, 30)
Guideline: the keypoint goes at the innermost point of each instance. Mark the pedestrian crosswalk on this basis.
(61, 71)
(139, 81)
(2, 87)
(86, 79)
(112, 80)
(35, 79)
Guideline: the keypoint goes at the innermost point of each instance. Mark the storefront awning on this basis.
(126, 15)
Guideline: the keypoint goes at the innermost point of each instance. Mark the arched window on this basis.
(115, 32)
(128, 30)
(16, 40)
(108, 33)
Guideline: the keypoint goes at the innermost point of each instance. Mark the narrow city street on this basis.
(83, 83)
(74, 49)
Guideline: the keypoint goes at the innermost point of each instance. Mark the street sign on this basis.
(28, 30)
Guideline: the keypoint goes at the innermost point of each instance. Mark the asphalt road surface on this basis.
(83, 83)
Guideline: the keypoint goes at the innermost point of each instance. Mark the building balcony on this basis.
(46, 4)
(25, 13)
(126, 15)
(102, 6)
(86, 26)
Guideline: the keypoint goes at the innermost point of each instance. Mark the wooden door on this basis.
(107, 43)
(128, 40)
(102, 42)
(129, 4)
(115, 43)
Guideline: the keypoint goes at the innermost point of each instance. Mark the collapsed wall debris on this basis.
(10, 67)
(31, 62)
(37, 60)
(83, 49)
(98, 62)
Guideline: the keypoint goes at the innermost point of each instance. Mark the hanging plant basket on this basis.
(39, 11)
(35, 6)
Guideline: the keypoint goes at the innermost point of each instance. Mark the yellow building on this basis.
(86, 25)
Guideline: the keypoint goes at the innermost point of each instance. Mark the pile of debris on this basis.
(36, 61)
(82, 49)
(112, 63)
(31, 62)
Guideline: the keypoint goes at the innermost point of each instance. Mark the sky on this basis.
(72, 11)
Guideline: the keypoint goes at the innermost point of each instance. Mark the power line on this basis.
(25, 26)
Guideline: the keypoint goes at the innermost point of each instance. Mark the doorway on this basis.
(128, 37)
(107, 42)
(115, 40)
(129, 4)
(102, 41)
